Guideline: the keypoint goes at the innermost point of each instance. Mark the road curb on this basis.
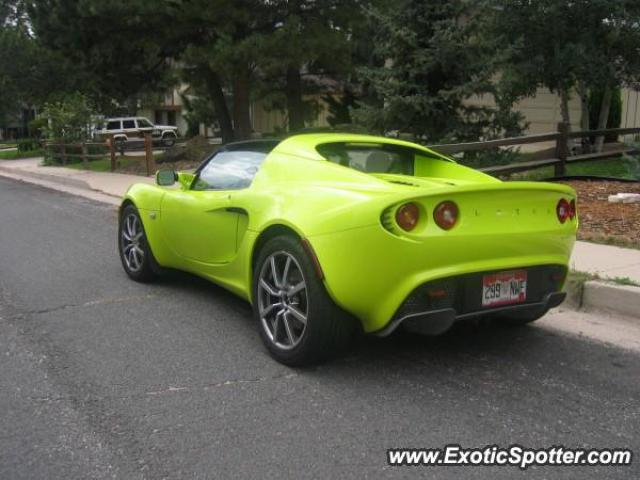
(69, 182)
(46, 182)
(619, 299)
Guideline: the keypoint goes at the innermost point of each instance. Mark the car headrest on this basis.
(378, 162)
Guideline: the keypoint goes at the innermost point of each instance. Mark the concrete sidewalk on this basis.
(603, 260)
(113, 184)
(606, 261)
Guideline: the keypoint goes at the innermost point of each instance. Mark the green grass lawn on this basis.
(614, 167)
(14, 154)
(104, 164)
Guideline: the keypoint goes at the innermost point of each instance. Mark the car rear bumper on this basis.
(421, 313)
(371, 274)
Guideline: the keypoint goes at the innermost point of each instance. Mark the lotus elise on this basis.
(330, 234)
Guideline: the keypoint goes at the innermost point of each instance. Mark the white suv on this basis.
(126, 129)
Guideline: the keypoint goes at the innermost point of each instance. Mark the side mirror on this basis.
(166, 178)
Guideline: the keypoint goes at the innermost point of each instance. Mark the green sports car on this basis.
(331, 234)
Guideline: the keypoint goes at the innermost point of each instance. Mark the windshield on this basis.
(229, 170)
(370, 157)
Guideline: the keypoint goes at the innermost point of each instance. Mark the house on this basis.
(17, 126)
(168, 109)
(542, 111)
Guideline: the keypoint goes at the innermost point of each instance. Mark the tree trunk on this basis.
(132, 106)
(295, 107)
(583, 92)
(604, 115)
(564, 112)
(214, 86)
(242, 105)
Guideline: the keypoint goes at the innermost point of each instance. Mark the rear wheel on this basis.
(135, 254)
(298, 322)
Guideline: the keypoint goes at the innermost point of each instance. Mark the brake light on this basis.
(407, 216)
(563, 210)
(446, 215)
(572, 209)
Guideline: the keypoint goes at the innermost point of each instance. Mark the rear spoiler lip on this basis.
(488, 187)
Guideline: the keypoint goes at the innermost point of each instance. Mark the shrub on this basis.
(28, 145)
(68, 117)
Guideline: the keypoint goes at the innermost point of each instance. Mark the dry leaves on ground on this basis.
(602, 220)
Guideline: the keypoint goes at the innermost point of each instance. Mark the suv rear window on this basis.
(128, 124)
(113, 125)
(370, 157)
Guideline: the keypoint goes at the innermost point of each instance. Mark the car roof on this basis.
(305, 144)
(264, 145)
(115, 119)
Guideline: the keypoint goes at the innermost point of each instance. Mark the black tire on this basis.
(120, 144)
(147, 268)
(328, 330)
(521, 318)
(168, 140)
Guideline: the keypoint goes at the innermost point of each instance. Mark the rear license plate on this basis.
(504, 288)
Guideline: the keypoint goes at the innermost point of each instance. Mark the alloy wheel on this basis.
(131, 237)
(282, 300)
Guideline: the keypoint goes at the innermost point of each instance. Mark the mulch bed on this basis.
(617, 223)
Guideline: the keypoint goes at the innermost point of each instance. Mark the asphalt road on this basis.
(101, 377)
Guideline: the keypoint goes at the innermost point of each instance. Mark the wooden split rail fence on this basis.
(562, 155)
(111, 147)
(560, 159)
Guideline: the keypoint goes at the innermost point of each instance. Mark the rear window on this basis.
(370, 157)
(113, 125)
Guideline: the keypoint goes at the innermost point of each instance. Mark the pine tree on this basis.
(429, 63)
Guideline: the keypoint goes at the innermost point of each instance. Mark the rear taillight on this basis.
(407, 216)
(572, 209)
(563, 210)
(446, 215)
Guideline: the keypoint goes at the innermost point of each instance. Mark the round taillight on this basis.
(572, 209)
(407, 216)
(446, 215)
(563, 210)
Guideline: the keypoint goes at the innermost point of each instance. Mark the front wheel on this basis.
(298, 322)
(168, 140)
(135, 254)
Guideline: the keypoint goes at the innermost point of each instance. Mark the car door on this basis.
(200, 223)
(113, 126)
(129, 128)
(144, 125)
